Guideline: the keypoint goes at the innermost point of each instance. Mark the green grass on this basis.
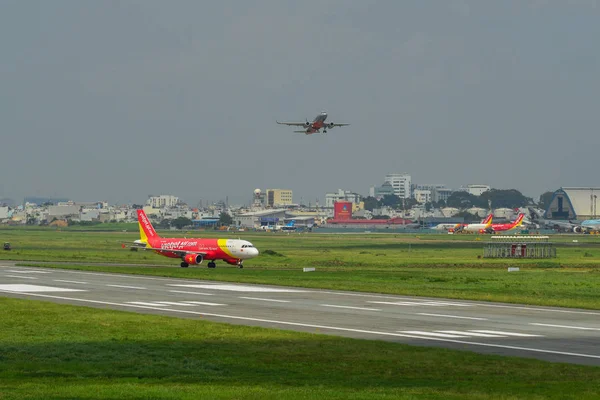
(51, 351)
(426, 265)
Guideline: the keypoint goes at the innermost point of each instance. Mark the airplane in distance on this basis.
(484, 227)
(315, 126)
(510, 225)
(290, 226)
(193, 251)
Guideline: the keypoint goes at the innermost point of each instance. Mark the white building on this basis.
(422, 196)
(476, 190)
(401, 184)
(341, 195)
(162, 201)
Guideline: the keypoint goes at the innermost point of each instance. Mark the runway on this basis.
(546, 333)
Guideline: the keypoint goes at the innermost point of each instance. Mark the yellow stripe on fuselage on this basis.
(222, 243)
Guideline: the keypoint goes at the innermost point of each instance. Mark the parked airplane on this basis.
(290, 226)
(193, 251)
(510, 225)
(484, 227)
(315, 126)
(445, 227)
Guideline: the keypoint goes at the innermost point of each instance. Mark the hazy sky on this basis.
(116, 100)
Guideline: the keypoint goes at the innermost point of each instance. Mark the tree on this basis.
(505, 198)
(225, 219)
(545, 199)
(371, 203)
(390, 200)
(181, 222)
(463, 200)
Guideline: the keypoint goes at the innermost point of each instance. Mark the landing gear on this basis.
(212, 264)
(184, 264)
(240, 264)
(324, 130)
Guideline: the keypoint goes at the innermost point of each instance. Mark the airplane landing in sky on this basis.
(193, 251)
(315, 126)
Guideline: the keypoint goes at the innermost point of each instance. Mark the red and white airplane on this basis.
(193, 251)
(315, 126)
(484, 227)
(510, 225)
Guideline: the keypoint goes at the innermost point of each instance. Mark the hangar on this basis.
(573, 203)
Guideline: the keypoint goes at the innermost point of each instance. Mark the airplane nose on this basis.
(254, 252)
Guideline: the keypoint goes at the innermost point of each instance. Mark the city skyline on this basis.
(112, 101)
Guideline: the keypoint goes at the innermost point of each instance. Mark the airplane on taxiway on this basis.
(510, 225)
(193, 251)
(315, 126)
(484, 227)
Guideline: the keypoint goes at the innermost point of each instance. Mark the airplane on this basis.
(510, 225)
(193, 251)
(446, 227)
(315, 126)
(290, 226)
(484, 227)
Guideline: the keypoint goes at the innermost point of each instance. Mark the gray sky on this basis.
(109, 100)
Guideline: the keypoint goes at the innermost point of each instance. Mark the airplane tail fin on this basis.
(147, 231)
(519, 220)
(488, 219)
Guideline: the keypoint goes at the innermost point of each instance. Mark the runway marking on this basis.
(566, 326)
(65, 281)
(21, 271)
(452, 316)
(241, 288)
(204, 303)
(352, 308)
(20, 276)
(435, 334)
(506, 333)
(18, 288)
(174, 303)
(334, 328)
(143, 303)
(424, 303)
(128, 287)
(260, 299)
(183, 291)
(471, 333)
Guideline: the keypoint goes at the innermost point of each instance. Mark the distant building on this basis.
(379, 192)
(279, 197)
(439, 194)
(422, 196)
(476, 190)
(341, 195)
(162, 201)
(572, 203)
(401, 184)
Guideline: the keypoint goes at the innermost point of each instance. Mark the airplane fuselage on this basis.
(317, 124)
(229, 250)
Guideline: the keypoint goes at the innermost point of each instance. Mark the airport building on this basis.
(573, 203)
(259, 218)
(162, 201)
(401, 183)
(341, 195)
(279, 197)
(476, 190)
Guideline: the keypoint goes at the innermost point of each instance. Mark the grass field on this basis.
(51, 351)
(427, 265)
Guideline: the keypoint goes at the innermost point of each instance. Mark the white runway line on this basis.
(452, 316)
(317, 326)
(352, 308)
(174, 303)
(204, 303)
(434, 334)
(240, 288)
(143, 303)
(61, 280)
(566, 327)
(471, 333)
(261, 299)
(20, 276)
(22, 271)
(128, 287)
(185, 292)
(507, 333)
(422, 303)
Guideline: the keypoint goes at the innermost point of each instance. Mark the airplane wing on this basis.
(292, 123)
(332, 125)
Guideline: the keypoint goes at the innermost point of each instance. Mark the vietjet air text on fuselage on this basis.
(194, 251)
(315, 126)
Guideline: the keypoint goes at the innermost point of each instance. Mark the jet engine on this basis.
(307, 124)
(577, 229)
(331, 125)
(193, 259)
